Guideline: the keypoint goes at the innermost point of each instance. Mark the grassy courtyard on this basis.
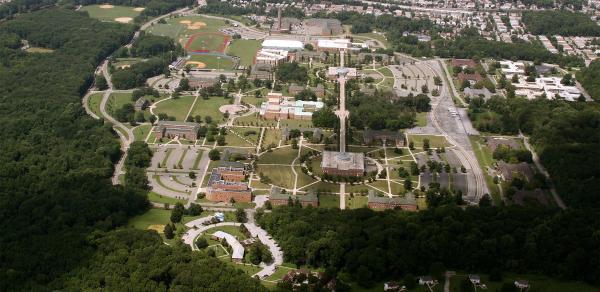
(177, 108)
(209, 107)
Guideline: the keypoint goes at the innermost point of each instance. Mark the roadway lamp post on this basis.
(218, 63)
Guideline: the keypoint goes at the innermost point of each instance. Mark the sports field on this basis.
(245, 49)
(210, 62)
(206, 42)
(181, 28)
(105, 12)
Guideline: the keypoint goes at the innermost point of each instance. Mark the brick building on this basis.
(282, 107)
(344, 164)
(172, 129)
(407, 203)
(278, 198)
(226, 183)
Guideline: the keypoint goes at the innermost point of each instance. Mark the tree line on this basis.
(57, 204)
(366, 246)
(589, 78)
(560, 22)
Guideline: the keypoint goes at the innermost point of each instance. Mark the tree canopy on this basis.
(590, 79)
(560, 22)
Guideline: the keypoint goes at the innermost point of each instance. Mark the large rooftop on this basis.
(343, 160)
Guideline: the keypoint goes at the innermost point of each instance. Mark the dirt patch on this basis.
(123, 19)
(107, 6)
(198, 65)
(139, 9)
(158, 227)
(186, 22)
(124, 66)
(231, 108)
(197, 25)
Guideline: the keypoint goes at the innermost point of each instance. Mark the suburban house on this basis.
(172, 129)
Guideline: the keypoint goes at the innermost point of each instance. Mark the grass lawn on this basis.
(386, 72)
(209, 107)
(280, 175)
(206, 42)
(141, 132)
(251, 134)
(233, 140)
(233, 230)
(154, 197)
(271, 136)
(175, 29)
(539, 283)
(279, 273)
(159, 217)
(212, 62)
(284, 155)
(329, 201)
(94, 103)
(177, 108)
(356, 202)
(379, 37)
(324, 187)
(357, 189)
(109, 14)
(434, 141)
(388, 82)
(380, 184)
(39, 50)
(245, 49)
(485, 160)
(256, 101)
(125, 62)
(421, 119)
(117, 101)
(296, 124)
(303, 179)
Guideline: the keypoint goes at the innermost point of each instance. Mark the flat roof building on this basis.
(237, 249)
(271, 56)
(343, 163)
(226, 183)
(172, 129)
(377, 201)
(278, 198)
(288, 45)
(280, 107)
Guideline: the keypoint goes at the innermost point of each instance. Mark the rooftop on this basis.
(343, 160)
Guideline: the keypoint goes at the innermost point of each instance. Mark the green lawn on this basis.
(245, 49)
(279, 273)
(141, 132)
(539, 283)
(485, 159)
(254, 120)
(280, 175)
(177, 108)
(109, 14)
(271, 136)
(39, 50)
(421, 119)
(434, 141)
(209, 107)
(212, 62)
(284, 155)
(329, 201)
(303, 179)
(379, 37)
(233, 140)
(207, 42)
(117, 101)
(94, 103)
(175, 29)
(154, 197)
(251, 134)
(386, 72)
(296, 123)
(124, 62)
(356, 202)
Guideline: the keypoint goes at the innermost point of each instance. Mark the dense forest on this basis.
(566, 136)
(377, 112)
(368, 246)
(560, 22)
(590, 79)
(56, 199)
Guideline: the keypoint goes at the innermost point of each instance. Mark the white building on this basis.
(237, 253)
(551, 86)
(509, 68)
(271, 56)
(339, 44)
(332, 73)
(288, 45)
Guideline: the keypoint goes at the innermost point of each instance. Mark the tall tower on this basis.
(342, 113)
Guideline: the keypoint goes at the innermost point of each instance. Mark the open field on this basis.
(485, 160)
(141, 132)
(329, 201)
(108, 13)
(271, 136)
(280, 175)
(177, 108)
(356, 202)
(207, 42)
(210, 62)
(245, 49)
(434, 141)
(94, 103)
(125, 62)
(209, 107)
(181, 28)
(254, 120)
(117, 101)
(284, 155)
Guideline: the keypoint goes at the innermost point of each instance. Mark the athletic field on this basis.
(106, 12)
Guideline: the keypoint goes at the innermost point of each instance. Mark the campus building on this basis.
(407, 203)
(551, 86)
(237, 249)
(172, 129)
(271, 56)
(334, 45)
(371, 136)
(282, 107)
(286, 45)
(226, 183)
(200, 82)
(332, 73)
(278, 198)
(322, 26)
(319, 90)
(343, 163)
